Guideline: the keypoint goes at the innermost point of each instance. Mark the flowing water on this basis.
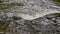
(34, 9)
(36, 17)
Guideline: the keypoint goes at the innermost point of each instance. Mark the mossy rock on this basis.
(53, 14)
(19, 4)
(9, 5)
(58, 1)
(3, 26)
(1, 1)
(16, 18)
(5, 6)
(57, 14)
